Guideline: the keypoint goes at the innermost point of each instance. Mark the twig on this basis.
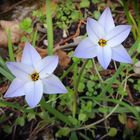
(66, 46)
(73, 36)
(12, 7)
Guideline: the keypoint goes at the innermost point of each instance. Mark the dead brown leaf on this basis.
(13, 27)
(131, 124)
(3, 88)
(64, 59)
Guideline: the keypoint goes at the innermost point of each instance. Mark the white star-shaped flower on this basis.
(34, 76)
(104, 40)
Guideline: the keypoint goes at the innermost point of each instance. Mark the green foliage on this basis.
(31, 116)
(39, 14)
(95, 1)
(84, 3)
(26, 25)
(20, 121)
(122, 118)
(112, 132)
(137, 86)
(63, 132)
(67, 14)
(96, 14)
(7, 129)
(73, 136)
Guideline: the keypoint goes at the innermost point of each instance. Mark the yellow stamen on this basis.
(35, 76)
(102, 42)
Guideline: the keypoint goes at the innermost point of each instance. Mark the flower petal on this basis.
(106, 20)
(86, 49)
(104, 56)
(15, 89)
(33, 92)
(120, 54)
(47, 65)
(19, 70)
(52, 85)
(117, 35)
(94, 30)
(30, 56)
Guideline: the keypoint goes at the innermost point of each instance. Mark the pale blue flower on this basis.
(104, 40)
(34, 76)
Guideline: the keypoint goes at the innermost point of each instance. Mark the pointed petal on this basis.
(33, 92)
(120, 54)
(52, 85)
(30, 56)
(104, 56)
(19, 70)
(86, 49)
(47, 65)
(106, 20)
(94, 30)
(15, 89)
(117, 35)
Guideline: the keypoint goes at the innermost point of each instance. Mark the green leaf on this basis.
(20, 121)
(75, 15)
(63, 132)
(138, 45)
(73, 121)
(73, 136)
(30, 116)
(90, 84)
(81, 87)
(112, 132)
(96, 14)
(26, 25)
(95, 1)
(84, 4)
(7, 74)
(122, 118)
(82, 117)
(103, 109)
(7, 129)
(89, 64)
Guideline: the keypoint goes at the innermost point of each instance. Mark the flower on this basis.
(104, 40)
(34, 76)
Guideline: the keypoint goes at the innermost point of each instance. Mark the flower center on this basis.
(35, 76)
(102, 42)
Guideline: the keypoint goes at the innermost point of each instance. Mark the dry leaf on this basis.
(131, 124)
(53, 7)
(64, 59)
(137, 68)
(3, 88)
(13, 27)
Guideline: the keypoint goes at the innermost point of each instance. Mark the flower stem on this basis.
(76, 83)
(115, 65)
(97, 71)
(49, 27)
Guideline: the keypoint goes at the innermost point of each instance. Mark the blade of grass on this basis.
(34, 38)
(54, 112)
(10, 47)
(49, 27)
(8, 75)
